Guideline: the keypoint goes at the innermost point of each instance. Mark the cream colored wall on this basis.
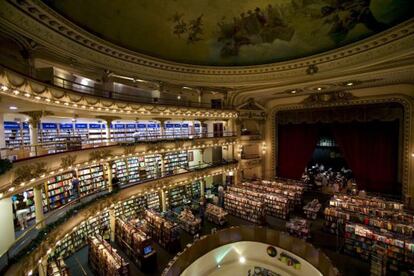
(7, 225)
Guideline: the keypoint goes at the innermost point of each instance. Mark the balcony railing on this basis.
(32, 232)
(99, 92)
(74, 143)
(250, 156)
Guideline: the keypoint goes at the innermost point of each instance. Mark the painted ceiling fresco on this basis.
(233, 32)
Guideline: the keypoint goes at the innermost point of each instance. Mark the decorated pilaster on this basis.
(108, 120)
(162, 125)
(34, 121)
(112, 219)
(163, 200)
(38, 202)
(202, 187)
(162, 171)
(108, 169)
(2, 136)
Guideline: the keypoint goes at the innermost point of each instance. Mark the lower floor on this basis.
(330, 244)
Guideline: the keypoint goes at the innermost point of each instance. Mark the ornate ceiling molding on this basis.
(38, 22)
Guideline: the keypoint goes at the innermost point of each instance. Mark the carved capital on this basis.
(35, 116)
(108, 119)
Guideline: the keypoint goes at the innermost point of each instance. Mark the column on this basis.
(162, 126)
(162, 172)
(200, 96)
(112, 219)
(7, 236)
(34, 121)
(109, 176)
(202, 187)
(193, 130)
(38, 202)
(108, 120)
(42, 267)
(163, 201)
(2, 137)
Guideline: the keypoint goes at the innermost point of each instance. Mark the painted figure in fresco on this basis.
(192, 30)
(343, 15)
(252, 28)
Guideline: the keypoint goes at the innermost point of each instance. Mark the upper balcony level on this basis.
(27, 93)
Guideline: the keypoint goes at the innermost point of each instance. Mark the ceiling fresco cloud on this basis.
(233, 32)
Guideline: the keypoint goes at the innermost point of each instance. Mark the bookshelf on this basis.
(119, 168)
(240, 206)
(274, 204)
(58, 190)
(175, 160)
(153, 201)
(16, 134)
(164, 231)
(57, 268)
(131, 207)
(103, 259)
(78, 238)
(91, 180)
(135, 243)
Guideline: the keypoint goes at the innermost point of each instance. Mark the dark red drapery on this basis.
(296, 145)
(371, 151)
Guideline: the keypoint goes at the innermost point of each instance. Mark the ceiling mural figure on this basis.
(226, 33)
(191, 30)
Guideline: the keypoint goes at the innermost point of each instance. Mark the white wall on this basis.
(197, 158)
(7, 225)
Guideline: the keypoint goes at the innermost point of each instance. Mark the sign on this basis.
(94, 126)
(66, 126)
(11, 125)
(81, 126)
(49, 126)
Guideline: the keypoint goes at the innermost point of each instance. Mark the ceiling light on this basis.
(13, 107)
(4, 88)
(350, 83)
(16, 92)
(48, 100)
(319, 88)
(179, 97)
(242, 259)
(37, 98)
(293, 91)
(27, 95)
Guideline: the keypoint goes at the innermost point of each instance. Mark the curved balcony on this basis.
(55, 164)
(106, 202)
(74, 143)
(211, 250)
(16, 87)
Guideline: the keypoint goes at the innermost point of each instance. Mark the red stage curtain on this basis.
(296, 145)
(371, 151)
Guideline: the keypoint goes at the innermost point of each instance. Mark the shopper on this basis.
(22, 211)
(75, 187)
(202, 209)
(221, 196)
(115, 184)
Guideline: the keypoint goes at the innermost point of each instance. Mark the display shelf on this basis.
(96, 133)
(162, 230)
(299, 228)
(244, 208)
(91, 180)
(216, 214)
(135, 243)
(189, 222)
(293, 191)
(134, 169)
(104, 260)
(312, 208)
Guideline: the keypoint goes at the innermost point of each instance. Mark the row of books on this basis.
(275, 204)
(189, 222)
(245, 208)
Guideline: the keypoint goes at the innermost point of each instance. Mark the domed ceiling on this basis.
(230, 32)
